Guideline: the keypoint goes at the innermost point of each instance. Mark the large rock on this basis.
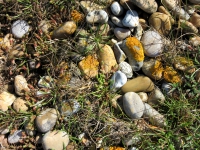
(56, 140)
(139, 84)
(21, 85)
(149, 6)
(46, 120)
(133, 105)
(6, 100)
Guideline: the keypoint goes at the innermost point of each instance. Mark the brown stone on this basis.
(139, 84)
(195, 19)
(164, 11)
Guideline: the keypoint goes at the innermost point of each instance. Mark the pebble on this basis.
(89, 66)
(15, 137)
(64, 30)
(195, 1)
(46, 120)
(116, 9)
(122, 33)
(119, 54)
(89, 6)
(19, 28)
(195, 41)
(126, 69)
(156, 97)
(143, 96)
(6, 100)
(164, 11)
(154, 116)
(21, 85)
(118, 79)
(149, 6)
(107, 59)
(45, 82)
(133, 105)
(166, 87)
(97, 16)
(131, 19)
(152, 43)
(134, 85)
(44, 26)
(138, 32)
(3, 142)
(195, 19)
(56, 140)
(171, 75)
(161, 22)
(20, 105)
(69, 107)
(153, 69)
(117, 21)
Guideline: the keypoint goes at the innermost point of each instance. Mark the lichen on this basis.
(113, 148)
(135, 47)
(170, 75)
(76, 16)
(157, 68)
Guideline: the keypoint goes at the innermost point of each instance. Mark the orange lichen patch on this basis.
(170, 75)
(135, 48)
(89, 66)
(63, 80)
(76, 16)
(113, 148)
(157, 68)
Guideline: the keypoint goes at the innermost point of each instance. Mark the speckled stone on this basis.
(126, 69)
(97, 16)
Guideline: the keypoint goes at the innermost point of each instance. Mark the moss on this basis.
(170, 75)
(76, 16)
(135, 47)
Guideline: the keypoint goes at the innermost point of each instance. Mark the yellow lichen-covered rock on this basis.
(76, 16)
(135, 48)
(89, 66)
(170, 75)
(113, 148)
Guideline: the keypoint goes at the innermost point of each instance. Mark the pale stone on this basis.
(97, 16)
(89, 6)
(138, 84)
(116, 9)
(19, 28)
(20, 105)
(15, 137)
(143, 96)
(122, 33)
(138, 32)
(44, 26)
(21, 85)
(195, 41)
(107, 59)
(133, 105)
(6, 100)
(149, 6)
(156, 97)
(126, 69)
(56, 140)
(131, 19)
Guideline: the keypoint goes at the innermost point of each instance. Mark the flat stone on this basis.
(138, 84)
(138, 31)
(15, 137)
(133, 105)
(107, 59)
(152, 43)
(97, 16)
(46, 120)
(56, 140)
(4, 130)
(116, 8)
(149, 6)
(118, 80)
(21, 85)
(156, 97)
(117, 21)
(6, 100)
(126, 69)
(163, 10)
(20, 105)
(19, 28)
(131, 19)
(161, 22)
(122, 33)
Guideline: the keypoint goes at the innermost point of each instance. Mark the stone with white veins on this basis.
(97, 16)
(15, 137)
(133, 105)
(116, 9)
(118, 80)
(131, 19)
(19, 28)
(126, 69)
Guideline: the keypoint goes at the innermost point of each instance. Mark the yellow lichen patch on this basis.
(170, 75)
(184, 64)
(135, 47)
(113, 148)
(76, 16)
(157, 69)
(89, 66)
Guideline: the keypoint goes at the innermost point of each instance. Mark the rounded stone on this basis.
(188, 27)
(161, 22)
(6, 100)
(56, 140)
(143, 96)
(117, 21)
(64, 30)
(46, 120)
(116, 9)
(126, 69)
(195, 41)
(20, 105)
(138, 84)
(149, 6)
(15, 137)
(166, 87)
(195, 19)
(156, 97)
(44, 26)
(122, 33)
(118, 80)
(152, 43)
(21, 85)
(131, 19)
(97, 16)
(19, 28)
(133, 105)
